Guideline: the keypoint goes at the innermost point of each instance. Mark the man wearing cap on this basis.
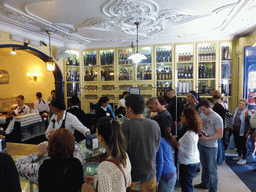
(192, 100)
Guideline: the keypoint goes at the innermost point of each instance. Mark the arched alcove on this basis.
(58, 77)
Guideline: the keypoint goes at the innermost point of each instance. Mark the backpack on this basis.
(229, 119)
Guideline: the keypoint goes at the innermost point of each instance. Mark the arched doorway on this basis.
(58, 78)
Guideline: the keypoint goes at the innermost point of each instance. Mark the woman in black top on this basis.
(62, 172)
(219, 108)
(104, 109)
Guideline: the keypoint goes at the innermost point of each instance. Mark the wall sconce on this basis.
(33, 76)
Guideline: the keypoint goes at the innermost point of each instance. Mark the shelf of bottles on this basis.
(72, 73)
(90, 65)
(185, 65)
(144, 68)
(125, 68)
(107, 65)
(145, 87)
(206, 68)
(226, 49)
(90, 87)
(163, 69)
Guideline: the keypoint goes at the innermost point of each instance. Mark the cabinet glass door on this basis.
(107, 65)
(163, 69)
(72, 73)
(185, 65)
(125, 67)
(226, 49)
(90, 66)
(144, 68)
(206, 68)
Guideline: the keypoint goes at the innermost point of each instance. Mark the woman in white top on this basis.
(20, 108)
(188, 153)
(41, 105)
(114, 174)
(63, 119)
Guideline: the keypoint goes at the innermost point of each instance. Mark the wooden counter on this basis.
(16, 150)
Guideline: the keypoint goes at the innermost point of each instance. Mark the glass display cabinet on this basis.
(125, 67)
(163, 69)
(90, 65)
(184, 67)
(225, 83)
(144, 68)
(107, 65)
(206, 59)
(72, 73)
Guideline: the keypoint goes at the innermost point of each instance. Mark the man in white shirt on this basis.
(208, 146)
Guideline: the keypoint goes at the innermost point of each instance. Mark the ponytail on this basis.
(111, 132)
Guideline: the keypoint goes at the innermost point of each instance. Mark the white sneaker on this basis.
(241, 161)
(236, 158)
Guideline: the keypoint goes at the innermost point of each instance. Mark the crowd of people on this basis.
(148, 151)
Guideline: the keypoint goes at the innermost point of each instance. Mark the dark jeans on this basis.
(240, 142)
(186, 175)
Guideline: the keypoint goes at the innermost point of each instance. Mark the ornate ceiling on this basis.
(108, 23)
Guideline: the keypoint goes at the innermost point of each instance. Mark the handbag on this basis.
(229, 119)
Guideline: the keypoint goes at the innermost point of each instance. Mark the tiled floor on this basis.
(228, 181)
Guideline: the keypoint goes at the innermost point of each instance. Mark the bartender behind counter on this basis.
(17, 109)
(63, 119)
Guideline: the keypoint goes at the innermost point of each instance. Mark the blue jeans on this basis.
(164, 186)
(208, 158)
(221, 152)
(186, 175)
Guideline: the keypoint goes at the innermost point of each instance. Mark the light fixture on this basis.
(137, 57)
(50, 64)
(13, 51)
(33, 76)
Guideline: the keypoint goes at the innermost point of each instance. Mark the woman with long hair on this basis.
(188, 153)
(166, 170)
(114, 174)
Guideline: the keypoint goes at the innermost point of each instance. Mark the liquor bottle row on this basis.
(204, 88)
(90, 88)
(73, 89)
(185, 72)
(206, 71)
(160, 84)
(72, 61)
(163, 55)
(90, 58)
(90, 76)
(146, 75)
(107, 58)
(72, 75)
(124, 54)
(206, 56)
(124, 61)
(164, 74)
(162, 91)
(207, 49)
(184, 87)
(185, 57)
(125, 75)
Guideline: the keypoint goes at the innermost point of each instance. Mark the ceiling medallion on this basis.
(123, 14)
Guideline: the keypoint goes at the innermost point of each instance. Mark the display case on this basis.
(125, 65)
(206, 67)
(144, 68)
(163, 69)
(90, 66)
(184, 67)
(72, 77)
(107, 65)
